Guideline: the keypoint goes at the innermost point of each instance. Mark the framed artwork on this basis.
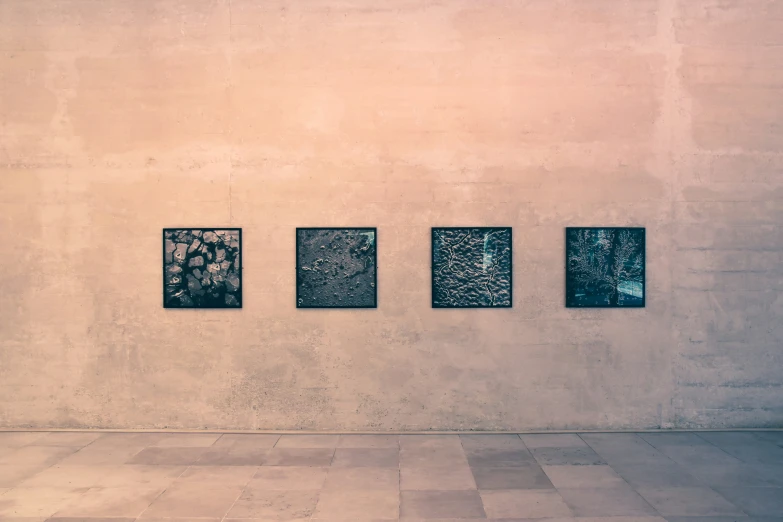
(336, 268)
(202, 268)
(605, 267)
(471, 267)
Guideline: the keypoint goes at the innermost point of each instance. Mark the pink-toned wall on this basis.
(119, 118)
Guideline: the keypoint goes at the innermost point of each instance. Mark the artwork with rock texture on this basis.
(202, 268)
(471, 267)
(336, 268)
(605, 267)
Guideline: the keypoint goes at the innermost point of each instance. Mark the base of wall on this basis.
(396, 432)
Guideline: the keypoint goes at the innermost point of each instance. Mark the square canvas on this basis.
(471, 267)
(202, 268)
(336, 268)
(605, 267)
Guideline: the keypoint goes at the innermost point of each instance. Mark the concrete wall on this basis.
(119, 118)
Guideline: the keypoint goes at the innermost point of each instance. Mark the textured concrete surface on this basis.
(120, 118)
(385, 478)
(471, 267)
(336, 268)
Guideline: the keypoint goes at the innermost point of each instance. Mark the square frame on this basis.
(239, 272)
(375, 261)
(643, 303)
(510, 267)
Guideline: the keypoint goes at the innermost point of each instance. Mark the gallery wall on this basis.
(119, 119)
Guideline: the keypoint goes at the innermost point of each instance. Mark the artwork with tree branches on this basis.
(605, 267)
(471, 267)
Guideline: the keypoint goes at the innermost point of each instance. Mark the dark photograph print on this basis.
(202, 268)
(471, 267)
(336, 268)
(605, 267)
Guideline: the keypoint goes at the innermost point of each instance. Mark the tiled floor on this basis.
(678, 477)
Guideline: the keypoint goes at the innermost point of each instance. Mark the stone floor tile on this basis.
(659, 474)
(36, 502)
(734, 475)
(43, 456)
(729, 438)
(13, 475)
(140, 476)
(274, 505)
(606, 439)
(723, 519)
(620, 500)
(304, 519)
(430, 441)
(422, 456)
(759, 502)
(622, 439)
(128, 439)
(67, 477)
(498, 458)
(584, 477)
(16, 439)
(760, 452)
(354, 519)
(97, 454)
(742, 466)
(110, 502)
(773, 472)
(288, 478)
(76, 439)
(152, 519)
(689, 501)
(524, 503)
(97, 519)
(349, 505)
(369, 441)
(636, 459)
(308, 441)
(451, 519)
(664, 440)
(362, 478)
(553, 440)
(5, 450)
(647, 518)
(317, 457)
(523, 477)
(624, 448)
(205, 499)
(232, 456)
(249, 441)
(437, 479)
(366, 458)
(492, 441)
(699, 455)
(774, 437)
(574, 456)
(167, 456)
(186, 440)
(440, 504)
(225, 475)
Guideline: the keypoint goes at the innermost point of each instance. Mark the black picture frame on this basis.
(300, 299)
(212, 305)
(433, 275)
(571, 285)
